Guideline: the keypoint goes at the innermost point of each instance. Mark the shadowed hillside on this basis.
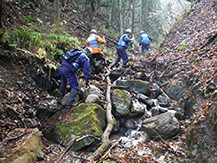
(185, 66)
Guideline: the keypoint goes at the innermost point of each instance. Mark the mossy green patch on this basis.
(121, 96)
(121, 100)
(87, 120)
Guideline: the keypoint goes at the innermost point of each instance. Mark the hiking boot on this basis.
(122, 69)
(68, 106)
(115, 65)
(72, 96)
(62, 90)
(71, 106)
(124, 66)
(112, 66)
(61, 107)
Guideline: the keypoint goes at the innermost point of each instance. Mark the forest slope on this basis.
(187, 61)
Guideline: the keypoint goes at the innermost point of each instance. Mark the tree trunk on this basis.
(127, 21)
(106, 143)
(121, 23)
(145, 8)
(1, 10)
(56, 11)
(110, 15)
(140, 16)
(133, 19)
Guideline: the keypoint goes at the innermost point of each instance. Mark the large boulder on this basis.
(85, 119)
(29, 145)
(121, 101)
(166, 125)
(135, 86)
(175, 92)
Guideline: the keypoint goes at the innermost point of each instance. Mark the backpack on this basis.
(72, 55)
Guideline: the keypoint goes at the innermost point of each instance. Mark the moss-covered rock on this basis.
(86, 119)
(121, 101)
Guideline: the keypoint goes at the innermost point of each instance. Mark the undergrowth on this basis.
(46, 45)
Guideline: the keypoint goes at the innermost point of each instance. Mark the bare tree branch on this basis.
(106, 143)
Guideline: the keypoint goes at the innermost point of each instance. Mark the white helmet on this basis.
(93, 31)
(141, 32)
(128, 30)
(88, 50)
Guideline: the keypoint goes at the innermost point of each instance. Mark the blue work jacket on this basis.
(144, 38)
(124, 40)
(81, 62)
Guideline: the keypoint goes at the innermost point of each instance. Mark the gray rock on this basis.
(175, 92)
(92, 98)
(65, 98)
(164, 100)
(93, 90)
(137, 109)
(146, 100)
(166, 125)
(121, 101)
(155, 111)
(135, 86)
(155, 91)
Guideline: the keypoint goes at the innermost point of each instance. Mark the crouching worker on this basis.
(72, 61)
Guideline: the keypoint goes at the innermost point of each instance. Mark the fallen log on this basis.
(106, 143)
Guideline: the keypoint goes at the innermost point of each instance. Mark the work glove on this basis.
(132, 39)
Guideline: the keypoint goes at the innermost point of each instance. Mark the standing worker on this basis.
(121, 48)
(144, 41)
(67, 72)
(94, 41)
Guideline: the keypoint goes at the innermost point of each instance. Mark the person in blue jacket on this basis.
(144, 40)
(67, 73)
(121, 48)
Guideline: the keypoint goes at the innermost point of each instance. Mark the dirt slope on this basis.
(187, 59)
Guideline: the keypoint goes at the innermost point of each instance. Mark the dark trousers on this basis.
(146, 46)
(122, 54)
(67, 76)
(95, 57)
